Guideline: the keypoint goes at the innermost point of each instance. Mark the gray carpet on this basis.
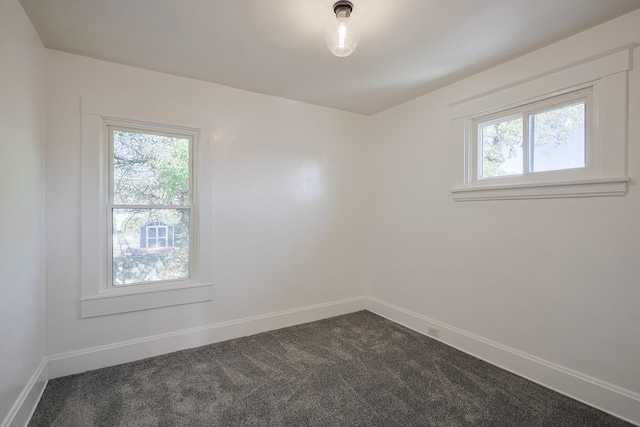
(352, 370)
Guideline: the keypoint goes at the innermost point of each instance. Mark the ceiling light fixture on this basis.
(342, 35)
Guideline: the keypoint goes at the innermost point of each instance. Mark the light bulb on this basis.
(342, 35)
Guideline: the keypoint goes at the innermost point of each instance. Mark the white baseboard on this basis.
(79, 361)
(620, 402)
(617, 401)
(25, 405)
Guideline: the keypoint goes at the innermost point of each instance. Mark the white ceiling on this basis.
(276, 47)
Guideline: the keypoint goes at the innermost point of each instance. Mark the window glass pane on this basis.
(150, 169)
(559, 138)
(139, 256)
(501, 147)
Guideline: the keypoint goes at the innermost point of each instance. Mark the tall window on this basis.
(150, 205)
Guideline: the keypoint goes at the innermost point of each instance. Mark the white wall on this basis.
(556, 279)
(314, 205)
(22, 309)
(288, 184)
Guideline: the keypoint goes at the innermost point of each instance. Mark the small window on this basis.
(560, 133)
(150, 204)
(538, 138)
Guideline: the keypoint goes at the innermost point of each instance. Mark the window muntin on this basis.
(150, 206)
(549, 136)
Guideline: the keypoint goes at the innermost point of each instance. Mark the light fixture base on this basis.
(343, 6)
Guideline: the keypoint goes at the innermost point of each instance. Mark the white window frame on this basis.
(191, 134)
(524, 111)
(97, 297)
(603, 78)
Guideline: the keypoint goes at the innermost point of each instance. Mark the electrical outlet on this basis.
(434, 332)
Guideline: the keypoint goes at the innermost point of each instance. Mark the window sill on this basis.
(128, 300)
(552, 190)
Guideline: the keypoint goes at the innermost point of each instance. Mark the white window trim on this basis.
(606, 175)
(97, 298)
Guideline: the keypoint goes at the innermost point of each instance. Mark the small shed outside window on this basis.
(156, 234)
